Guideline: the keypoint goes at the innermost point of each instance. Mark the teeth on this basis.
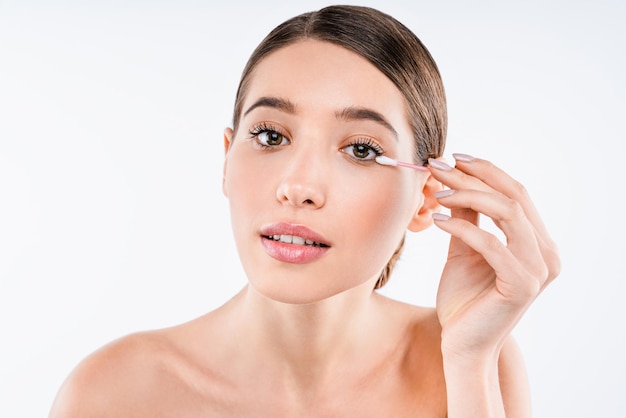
(292, 239)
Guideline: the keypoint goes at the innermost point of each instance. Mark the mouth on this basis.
(295, 240)
(295, 234)
(293, 243)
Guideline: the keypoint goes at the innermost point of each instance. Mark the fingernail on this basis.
(444, 193)
(440, 216)
(466, 158)
(439, 165)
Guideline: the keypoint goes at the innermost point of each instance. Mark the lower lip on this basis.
(291, 253)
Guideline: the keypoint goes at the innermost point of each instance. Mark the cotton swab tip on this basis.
(381, 159)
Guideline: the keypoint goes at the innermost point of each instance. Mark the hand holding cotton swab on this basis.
(381, 159)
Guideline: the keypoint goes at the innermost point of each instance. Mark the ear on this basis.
(228, 140)
(423, 216)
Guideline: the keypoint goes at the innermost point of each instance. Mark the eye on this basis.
(363, 149)
(268, 136)
(271, 138)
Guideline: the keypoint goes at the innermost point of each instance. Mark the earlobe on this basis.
(422, 218)
(228, 140)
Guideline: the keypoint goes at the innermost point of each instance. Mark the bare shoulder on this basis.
(174, 371)
(113, 379)
(420, 323)
(512, 374)
(147, 374)
(425, 362)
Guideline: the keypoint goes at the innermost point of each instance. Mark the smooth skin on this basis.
(314, 339)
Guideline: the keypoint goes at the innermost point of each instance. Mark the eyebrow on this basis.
(362, 113)
(352, 113)
(273, 102)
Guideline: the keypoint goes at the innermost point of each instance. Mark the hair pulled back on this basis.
(393, 49)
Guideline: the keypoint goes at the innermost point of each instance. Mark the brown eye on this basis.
(364, 152)
(271, 138)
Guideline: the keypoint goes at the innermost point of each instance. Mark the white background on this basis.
(111, 213)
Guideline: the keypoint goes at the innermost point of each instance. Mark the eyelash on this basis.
(369, 143)
(265, 128)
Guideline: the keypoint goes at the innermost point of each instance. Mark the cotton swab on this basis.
(381, 159)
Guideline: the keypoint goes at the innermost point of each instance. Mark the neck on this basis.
(308, 344)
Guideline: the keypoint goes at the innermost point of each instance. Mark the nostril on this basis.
(299, 195)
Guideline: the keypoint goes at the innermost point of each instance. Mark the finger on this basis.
(495, 178)
(457, 247)
(455, 178)
(513, 282)
(507, 214)
(477, 174)
(552, 259)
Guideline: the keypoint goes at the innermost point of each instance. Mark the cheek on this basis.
(244, 189)
(392, 213)
(379, 211)
(241, 177)
(385, 194)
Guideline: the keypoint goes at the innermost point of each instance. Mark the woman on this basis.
(318, 225)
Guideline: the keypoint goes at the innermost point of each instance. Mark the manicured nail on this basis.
(439, 165)
(444, 193)
(463, 157)
(440, 216)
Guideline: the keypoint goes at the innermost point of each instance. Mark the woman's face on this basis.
(312, 213)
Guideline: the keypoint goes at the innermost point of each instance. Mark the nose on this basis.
(303, 183)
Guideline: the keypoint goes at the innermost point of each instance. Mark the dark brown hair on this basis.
(393, 49)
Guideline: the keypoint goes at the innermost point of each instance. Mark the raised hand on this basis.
(487, 285)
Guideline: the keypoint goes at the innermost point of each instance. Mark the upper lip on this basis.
(285, 228)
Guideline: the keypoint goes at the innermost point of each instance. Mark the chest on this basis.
(382, 396)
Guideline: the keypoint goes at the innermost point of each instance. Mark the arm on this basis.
(497, 385)
(487, 286)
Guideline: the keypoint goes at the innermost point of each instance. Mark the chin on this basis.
(301, 293)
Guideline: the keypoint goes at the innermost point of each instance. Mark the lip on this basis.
(293, 253)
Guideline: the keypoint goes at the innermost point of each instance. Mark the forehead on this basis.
(321, 76)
